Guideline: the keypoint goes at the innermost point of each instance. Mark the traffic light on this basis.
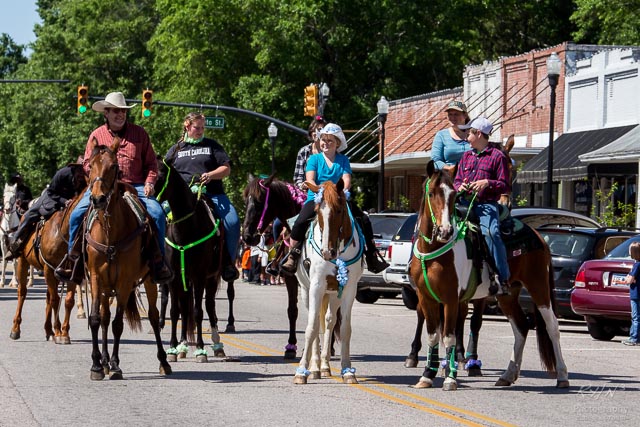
(311, 100)
(83, 99)
(147, 102)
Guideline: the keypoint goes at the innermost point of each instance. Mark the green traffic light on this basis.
(82, 109)
(146, 113)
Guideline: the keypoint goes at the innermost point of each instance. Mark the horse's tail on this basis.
(132, 314)
(545, 345)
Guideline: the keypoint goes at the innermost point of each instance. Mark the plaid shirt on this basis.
(490, 164)
(299, 173)
(136, 158)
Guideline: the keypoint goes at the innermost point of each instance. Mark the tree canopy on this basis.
(256, 55)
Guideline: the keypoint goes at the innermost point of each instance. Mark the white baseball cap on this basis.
(480, 123)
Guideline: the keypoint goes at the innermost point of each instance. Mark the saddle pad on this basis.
(136, 206)
(523, 240)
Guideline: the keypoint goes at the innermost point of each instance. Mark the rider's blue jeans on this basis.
(152, 205)
(488, 214)
(227, 213)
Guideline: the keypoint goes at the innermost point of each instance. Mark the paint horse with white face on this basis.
(335, 247)
(443, 273)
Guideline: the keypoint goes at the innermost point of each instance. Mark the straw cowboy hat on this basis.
(112, 100)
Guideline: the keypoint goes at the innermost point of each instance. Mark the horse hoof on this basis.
(349, 379)
(410, 362)
(474, 372)
(299, 379)
(450, 386)
(230, 329)
(219, 353)
(14, 335)
(97, 375)
(115, 375)
(289, 354)
(182, 355)
(502, 383)
(201, 358)
(172, 357)
(325, 373)
(166, 370)
(562, 384)
(315, 375)
(62, 340)
(424, 383)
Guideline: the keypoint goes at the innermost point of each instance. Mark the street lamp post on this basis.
(273, 133)
(324, 95)
(553, 72)
(383, 110)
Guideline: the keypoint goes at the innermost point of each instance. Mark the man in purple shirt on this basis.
(485, 170)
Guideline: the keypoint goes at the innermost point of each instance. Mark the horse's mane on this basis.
(99, 149)
(279, 188)
(330, 194)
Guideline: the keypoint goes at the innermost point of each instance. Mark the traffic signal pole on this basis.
(221, 108)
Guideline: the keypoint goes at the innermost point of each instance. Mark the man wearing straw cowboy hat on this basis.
(64, 186)
(138, 167)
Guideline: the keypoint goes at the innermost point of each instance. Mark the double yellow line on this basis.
(434, 407)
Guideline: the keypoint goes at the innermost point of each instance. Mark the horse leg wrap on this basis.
(433, 363)
(451, 368)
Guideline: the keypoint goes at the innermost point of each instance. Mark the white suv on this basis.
(399, 253)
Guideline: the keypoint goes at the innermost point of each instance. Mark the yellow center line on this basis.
(235, 342)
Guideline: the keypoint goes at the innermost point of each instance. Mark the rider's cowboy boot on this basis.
(71, 268)
(15, 249)
(161, 273)
(290, 265)
(375, 262)
(497, 288)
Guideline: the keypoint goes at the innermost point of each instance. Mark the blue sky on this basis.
(17, 18)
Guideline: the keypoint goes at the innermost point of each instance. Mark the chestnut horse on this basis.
(114, 227)
(265, 200)
(444, 275)
(44, 250)
(335, 245)
(195, 241)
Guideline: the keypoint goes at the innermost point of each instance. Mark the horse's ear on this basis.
(510, 143)
(340, 185)
(454, 171)
(270, 179)
(116, 144)
(431, 168)
(94, 143)
(311, 186)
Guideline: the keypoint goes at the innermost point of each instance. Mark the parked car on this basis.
(372, 286)
(570, 247)
(401, 244)
(601, 296)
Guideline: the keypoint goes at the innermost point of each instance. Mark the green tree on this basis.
(607, 22)
(11, 56)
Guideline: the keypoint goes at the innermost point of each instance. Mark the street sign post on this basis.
(214, 122)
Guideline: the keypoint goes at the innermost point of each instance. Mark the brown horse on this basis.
(44, 250)
(444, 275)
(265, 200)
(114, 228)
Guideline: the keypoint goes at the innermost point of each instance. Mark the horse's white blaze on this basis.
(326, 215)
(448, 193)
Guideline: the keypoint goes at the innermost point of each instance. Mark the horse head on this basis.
(439, 204)
(260, 212)
(333, 217)
(103, 173)
(9, 198)
(505, 199)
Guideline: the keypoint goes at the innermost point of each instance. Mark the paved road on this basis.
(47, 384)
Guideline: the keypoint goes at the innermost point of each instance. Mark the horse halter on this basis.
(266, 206)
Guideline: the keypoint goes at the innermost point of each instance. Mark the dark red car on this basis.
(601, 296)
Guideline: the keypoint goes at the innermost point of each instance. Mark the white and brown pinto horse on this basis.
(335, 248)
(442, 270)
